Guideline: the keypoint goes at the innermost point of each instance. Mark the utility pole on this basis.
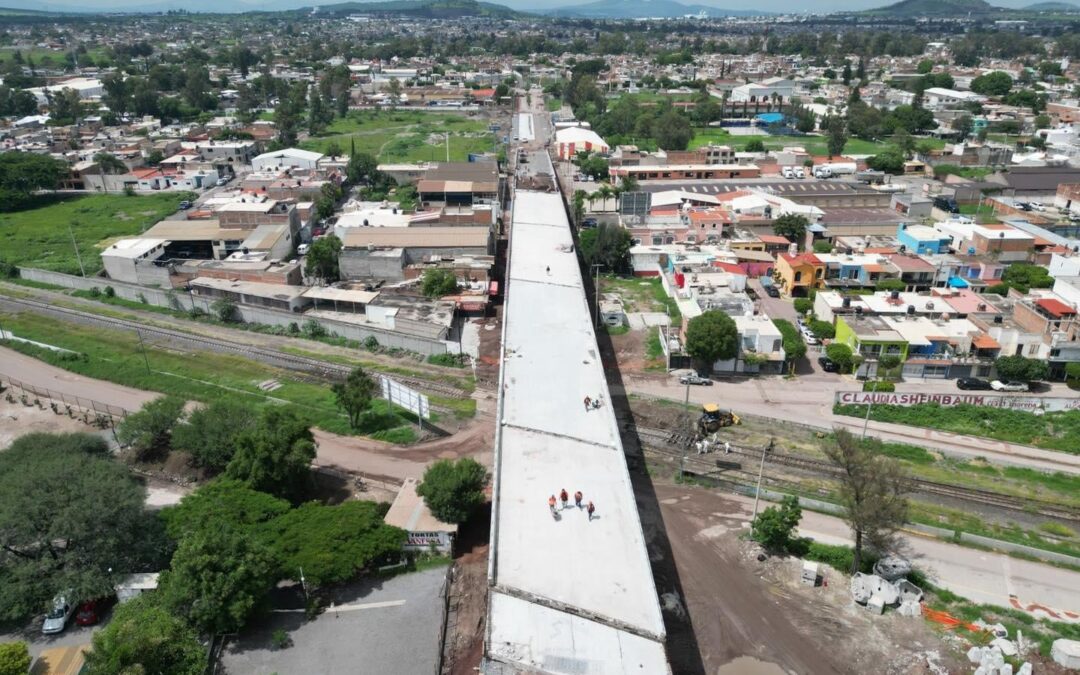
(761, 470)
(76, 245)
(869, 407)
(142, 346)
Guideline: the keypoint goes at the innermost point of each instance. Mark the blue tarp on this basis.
(771, 118)
(957, 282)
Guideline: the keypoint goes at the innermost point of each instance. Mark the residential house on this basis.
(797, 274)
(920, 239)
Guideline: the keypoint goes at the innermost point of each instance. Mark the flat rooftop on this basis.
(133, 248)
(549, 617)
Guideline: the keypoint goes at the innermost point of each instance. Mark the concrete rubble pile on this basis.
(1066, 653)
(876, 593)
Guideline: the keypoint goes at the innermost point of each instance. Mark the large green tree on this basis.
(453, 490)
(997, 83)
(321, 260)
(792, 226)
(332, 544)
(710, 337)
(24, 173)
(217, 578)
(14, 658)
(607, 245)
(355, 394)
(276, 455)
(149, 430)
(209, 433)
(672, 131)
(222, 502)
(143, 637)
(70, 517)
(438, 282)
(1011, 368)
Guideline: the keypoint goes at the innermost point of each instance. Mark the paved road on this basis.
(809, 399)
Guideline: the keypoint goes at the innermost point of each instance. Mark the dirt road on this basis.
(39, 374)
(758, 616)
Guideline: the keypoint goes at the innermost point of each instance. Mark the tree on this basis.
(1042, 121)
(65, 108)
(672, 131)
(217, 578)
(925, 66)
(841, 354)
(792, 226)
(871, 493)
(997, 83)
(361, 167)
(154, 157)
(149, 430)
(438, 282)
(887, 363)
(110, 163)
(772, 527)
(219, 503)
(1025, 276)
(14, 658)
(319, 112)
(890, 160)
(209, 433)
(845, 76)
(1072, 371)
(333, 149)
(710, 337)
(145, 637)
(756, 145)
(24, 173)
(607, 245)
(963, 126)
(332, 544)
(321, 261)
(453, 489)
(1019, 368)
(224, 309)
(355, 394)
(70, 517)
(276, 455)
(836, 134)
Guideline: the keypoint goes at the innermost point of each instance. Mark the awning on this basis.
(957, 282)
(985, 342)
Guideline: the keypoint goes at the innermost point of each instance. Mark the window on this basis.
(798, 277)
(1033, 349)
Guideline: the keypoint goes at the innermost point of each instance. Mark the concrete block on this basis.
(1007, 647)
(876, 604)
(975, 654)
(1066, 653)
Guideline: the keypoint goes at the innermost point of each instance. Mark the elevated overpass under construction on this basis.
(568, 594)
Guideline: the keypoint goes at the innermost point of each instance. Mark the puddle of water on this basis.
(748, 665)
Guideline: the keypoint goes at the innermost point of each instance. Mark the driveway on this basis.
(375, 626)
(776, 308)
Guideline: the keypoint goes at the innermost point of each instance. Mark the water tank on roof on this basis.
(999, 319)
(895, 295)
(846, 302)
(911, 310)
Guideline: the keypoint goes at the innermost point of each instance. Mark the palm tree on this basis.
(604, 194)
(109, 163)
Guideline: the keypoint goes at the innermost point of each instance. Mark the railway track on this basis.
(324, 370)
(662, 439)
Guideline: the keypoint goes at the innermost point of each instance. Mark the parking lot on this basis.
(36, 642)
(377, 626)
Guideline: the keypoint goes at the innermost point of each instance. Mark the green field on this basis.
(815, 145)
(405, 135)
(115, 356)
(39, 237)
(553, 104)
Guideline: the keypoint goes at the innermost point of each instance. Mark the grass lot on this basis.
(641, 294)
(405, 135)
(816, 145)
(982, 214)
(39, 237)
(115, 356)
(1054, 430)
(553, 104)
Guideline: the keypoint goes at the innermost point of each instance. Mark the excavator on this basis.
(713, 418)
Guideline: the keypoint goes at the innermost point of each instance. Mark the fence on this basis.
(99, 409)
(185, 302)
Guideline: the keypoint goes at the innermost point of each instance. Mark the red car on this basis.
(89, 613)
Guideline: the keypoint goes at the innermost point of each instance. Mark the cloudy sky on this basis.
(241, 5)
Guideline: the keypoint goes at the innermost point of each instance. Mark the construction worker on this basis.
(727, 448)
(589, 509)
(564, 497)
(577, 499)
(588, 403)
(551, 505)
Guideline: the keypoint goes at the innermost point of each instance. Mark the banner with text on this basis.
(1029, 403)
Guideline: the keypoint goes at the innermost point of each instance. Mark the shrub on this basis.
(371, 343)
(822, 330)
(840, 558)
(878, 385)
(313, 329)
(803, 305)
(14, 658)
(95, 292)
(110, 292)
(823, 246)
(772, 527)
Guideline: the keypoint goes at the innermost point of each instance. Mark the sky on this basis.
(765, 5)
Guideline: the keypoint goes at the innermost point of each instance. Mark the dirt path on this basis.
(40, 374)
(742, 608)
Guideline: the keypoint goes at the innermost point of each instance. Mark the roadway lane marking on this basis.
(352, 608)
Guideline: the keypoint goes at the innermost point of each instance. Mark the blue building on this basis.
(922, 240)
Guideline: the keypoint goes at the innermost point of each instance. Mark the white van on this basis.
(799, 173)
(788, 173)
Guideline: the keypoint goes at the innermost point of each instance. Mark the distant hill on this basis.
(916, 8)
(642, 9)
(1052, 7)
(428, 9)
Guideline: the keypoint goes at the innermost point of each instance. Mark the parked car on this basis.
(1038, 207)
(972, 383)
(695, 379)
(590, 222)
(302, 249)
(185, 205)
(222, 181)
(828, 365)
(787, 172)
(89, 613)
(57, 618)
(810, 338)
(998, 385)
(772, 291)
(799, 173)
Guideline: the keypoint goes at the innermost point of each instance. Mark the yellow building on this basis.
(795, 274)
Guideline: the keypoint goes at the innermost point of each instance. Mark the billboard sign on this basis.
(1028, 403)
(410, 399)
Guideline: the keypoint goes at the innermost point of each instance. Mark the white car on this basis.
(809, 337)
(799, 173)
(58, 616)
(1037, 206)
(998, 385)
(788, 173)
